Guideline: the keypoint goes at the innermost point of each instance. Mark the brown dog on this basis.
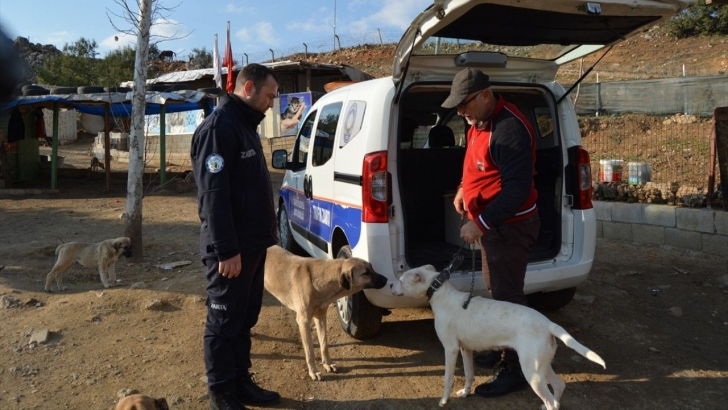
(141, 402)
(308, 286)
(102, 254)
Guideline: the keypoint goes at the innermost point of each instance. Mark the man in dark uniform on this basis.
(235, 205)
(499, 195)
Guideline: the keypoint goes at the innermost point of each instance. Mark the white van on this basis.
(376, 164)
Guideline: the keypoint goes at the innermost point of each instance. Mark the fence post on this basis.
(246, 58)
(338, 41)
(721, 139)
(305, 52)
(272, 56)
(380, 37)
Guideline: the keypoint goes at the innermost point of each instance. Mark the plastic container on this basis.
(639, 172)
(610, 170)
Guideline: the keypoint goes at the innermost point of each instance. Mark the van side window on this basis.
(300, 149)
(323, 141)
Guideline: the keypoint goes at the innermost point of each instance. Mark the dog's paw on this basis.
(443, 402)
(315, 376)
(462, 393)
(331, 368)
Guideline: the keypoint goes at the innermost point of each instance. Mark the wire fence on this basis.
(321, 45)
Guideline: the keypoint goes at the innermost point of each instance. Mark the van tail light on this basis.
(584, 189)
(375, 188)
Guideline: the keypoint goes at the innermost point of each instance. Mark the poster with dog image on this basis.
(294, 107)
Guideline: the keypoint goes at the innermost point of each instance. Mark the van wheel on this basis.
(358, 317)
(546, 301)
(286, 240)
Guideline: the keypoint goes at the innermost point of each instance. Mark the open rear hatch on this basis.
(519, 44)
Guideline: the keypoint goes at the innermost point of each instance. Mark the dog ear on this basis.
(161, 404)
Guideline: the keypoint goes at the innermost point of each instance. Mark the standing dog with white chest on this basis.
(489, 324)
(100, 254)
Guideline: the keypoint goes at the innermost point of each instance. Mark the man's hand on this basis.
(470, 232)
(458, 202)
(230, 268)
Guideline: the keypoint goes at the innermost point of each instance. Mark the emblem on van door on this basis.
(353, 121)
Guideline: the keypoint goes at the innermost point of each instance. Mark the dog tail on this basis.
(569, 341)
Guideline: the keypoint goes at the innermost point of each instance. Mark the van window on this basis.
(300, 150)
(323, 142)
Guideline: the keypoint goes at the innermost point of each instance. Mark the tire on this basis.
(90, 90)
(63, 90)
(547, 301)
(117, 89)
(34, 91)
(286, 240)
(357, 316)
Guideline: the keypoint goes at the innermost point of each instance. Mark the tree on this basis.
(200, 58)
(141, 22)
(76, 65)
(699, 20)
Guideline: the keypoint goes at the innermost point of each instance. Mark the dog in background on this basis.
(308, 286)
(102, 254)
(487, 324)
(141, 402)
(96, 164)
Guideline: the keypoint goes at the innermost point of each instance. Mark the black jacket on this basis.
(234, 195)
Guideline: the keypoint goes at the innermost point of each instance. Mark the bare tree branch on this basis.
(160, 16)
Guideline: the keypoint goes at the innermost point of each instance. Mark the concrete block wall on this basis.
(696, 229)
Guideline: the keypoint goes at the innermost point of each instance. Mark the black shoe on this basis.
(225, 399)
(249, 392)
(506, 381)
(488, 360)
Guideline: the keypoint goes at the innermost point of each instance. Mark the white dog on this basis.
(490, 324)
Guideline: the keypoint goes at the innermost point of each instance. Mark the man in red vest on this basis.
(499, 195)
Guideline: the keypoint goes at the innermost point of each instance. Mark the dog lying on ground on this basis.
(308, 286)
(141, 402)
(489, 324)
(102, 254)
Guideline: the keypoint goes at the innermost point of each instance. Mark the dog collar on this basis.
(439, 280)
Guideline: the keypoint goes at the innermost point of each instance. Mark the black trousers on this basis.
(233, 306)
(504, 252)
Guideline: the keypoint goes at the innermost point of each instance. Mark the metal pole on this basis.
(305, 52)
(54, 150)
(107, 138)
(162, 145)
(380, 36)
(272, 56)
(246, 58)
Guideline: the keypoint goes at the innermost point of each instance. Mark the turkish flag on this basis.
(228, 62)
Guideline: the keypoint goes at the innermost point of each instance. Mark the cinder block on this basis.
(699, 220)
(617, 230)
(683, 239)
(603, 210)
(629, 213)
(715, 244)
(660, 215)
(648, 234)
(721, 223)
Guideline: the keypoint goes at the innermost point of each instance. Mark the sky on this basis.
(256, 27)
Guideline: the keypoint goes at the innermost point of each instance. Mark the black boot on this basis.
(507, 380)
(488, 360)
(249, 392)
(225, 399)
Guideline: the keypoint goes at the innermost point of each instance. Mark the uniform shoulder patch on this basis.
(214, 163)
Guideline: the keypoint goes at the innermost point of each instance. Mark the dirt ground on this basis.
(658, 317)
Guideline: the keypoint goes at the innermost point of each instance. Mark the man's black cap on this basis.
(465, 82)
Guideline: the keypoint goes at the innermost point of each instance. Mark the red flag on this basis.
(228, 62)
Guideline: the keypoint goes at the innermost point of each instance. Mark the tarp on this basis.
(120, 103)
